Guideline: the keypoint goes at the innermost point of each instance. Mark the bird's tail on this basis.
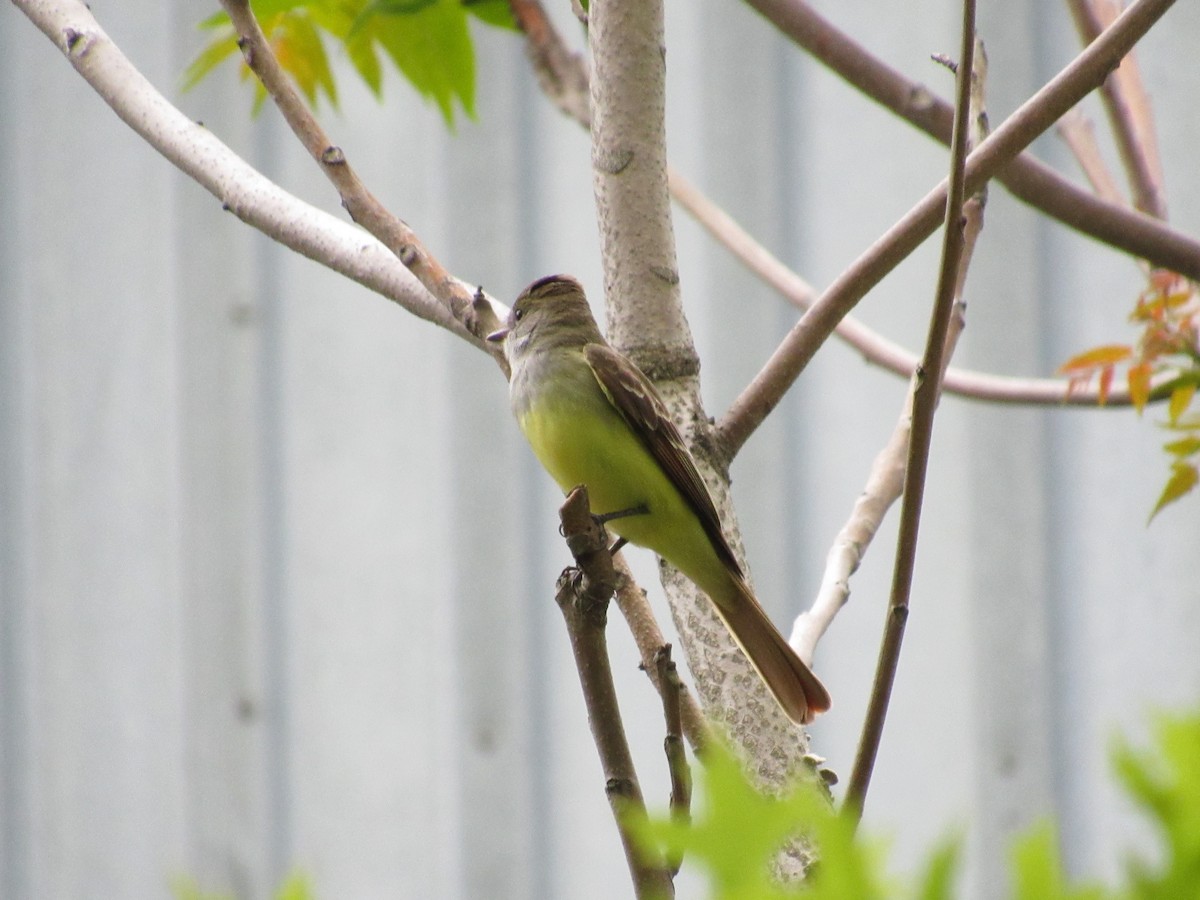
(796, 689)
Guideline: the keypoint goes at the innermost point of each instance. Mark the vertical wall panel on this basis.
(276, 569)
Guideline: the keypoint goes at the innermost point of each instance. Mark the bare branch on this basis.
(924, 406)
(631, 600)
(467, 306)
(1031, 119)
(563, 78)
(1028, 179)
(677, 764)
(633, 211)
(885, 485)
(561, 73)
(1128, 109)
(1078, 133)
(583, 594)
(885, 482)
(874, 347)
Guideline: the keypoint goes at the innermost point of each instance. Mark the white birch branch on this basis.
(646, 320)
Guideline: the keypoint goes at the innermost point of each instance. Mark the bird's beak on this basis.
(497, 336)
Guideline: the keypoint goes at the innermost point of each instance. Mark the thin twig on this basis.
(561, 73)
(1079, 134)
(583, 595)
(471, 308)
(677, 764)
(884, 486)
(631, 600)
(1028, 179)
(925, 396)
(1031, 119)
(1128, 109)
(874, 347)
(885, 482)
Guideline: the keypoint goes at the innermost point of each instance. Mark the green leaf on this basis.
(220, 48)
(1183, 478)
(1165, 783)
(1038, 870)
(395, 7)
(185, 888)
(366, 62)
(1183, 447)
(940, 873)
(428, 40)
(294, 887)
(739, 831)
(268, 9)
(432, 48)
(1181, 399)
(298, 47)
(493, 12)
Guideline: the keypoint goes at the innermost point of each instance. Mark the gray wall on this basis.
(276, 568)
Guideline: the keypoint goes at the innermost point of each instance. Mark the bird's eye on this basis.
(518, 314)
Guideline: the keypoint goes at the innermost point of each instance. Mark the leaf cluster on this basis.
(1164, 361)
(740, 831)
(428, 41)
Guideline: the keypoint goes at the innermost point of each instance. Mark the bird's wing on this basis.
(640, 405)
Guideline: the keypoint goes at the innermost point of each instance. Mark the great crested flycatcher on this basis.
(593, 418)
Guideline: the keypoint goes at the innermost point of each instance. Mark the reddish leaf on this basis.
(1105, 384)
(1139, 385)
(1107, 355)
(1163, 279)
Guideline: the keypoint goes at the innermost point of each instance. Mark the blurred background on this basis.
(276, 568)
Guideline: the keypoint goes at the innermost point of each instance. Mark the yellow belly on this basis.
(589, 443)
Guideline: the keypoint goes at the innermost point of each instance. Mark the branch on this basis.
(1128, 110)
(1028, 179)
(885, 482)
(564, 80)
(631, 600)
(637, 243)
(645, 318)
(874, 347)
(561, 74)
(469, 307)
(242, 190)
(884, 486)
(1031, 119)
(677, 764)
(924, 406)
(582, 594)
(1080, 136)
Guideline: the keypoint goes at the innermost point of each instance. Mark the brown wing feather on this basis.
(639, 403)
(798, 691)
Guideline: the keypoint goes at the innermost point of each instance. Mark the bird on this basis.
(593, 418)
